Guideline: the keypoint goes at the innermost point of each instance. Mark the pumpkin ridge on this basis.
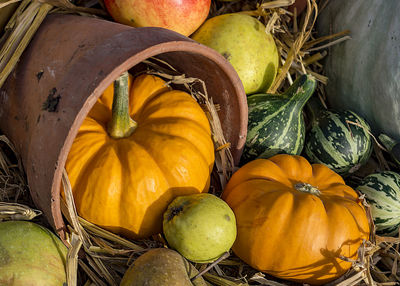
(346, 208)
(231, 189)
(124, 160)
(144, 86)
(134, 191)
(197, 138)
(270, 180)
(310, 204)
(258, 176)
(285, 200)
(83, 180)
(299, 161)
(325, 177)
(90, 124)
(171, 179)
(325, 197)
(155, 95)
(262, 213)
(170, 100)
(99, 113)
(101, 131)
(181, 138)
(126, 225)
(261, 180)
(329, 252)
(283, 172)
(169, 119)
(160, 166)
(88, 161)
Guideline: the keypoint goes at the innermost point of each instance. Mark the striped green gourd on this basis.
(276, 123)
(338, 139)
(392, 146)
(382, 191)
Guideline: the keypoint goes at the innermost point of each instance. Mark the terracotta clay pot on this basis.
(67, 66)
(300, 5)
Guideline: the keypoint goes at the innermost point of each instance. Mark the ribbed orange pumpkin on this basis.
(125, 185)
(295, 220)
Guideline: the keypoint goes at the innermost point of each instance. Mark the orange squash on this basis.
(295, 221)
(125, 183)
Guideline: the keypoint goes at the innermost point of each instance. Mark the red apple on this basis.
(182, 16)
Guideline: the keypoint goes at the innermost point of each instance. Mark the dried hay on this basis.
(13, 186)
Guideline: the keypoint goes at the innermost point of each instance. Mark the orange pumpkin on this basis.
(295, 220)
(125, 184)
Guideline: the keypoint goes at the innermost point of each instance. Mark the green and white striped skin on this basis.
(392, 146)
(382, 191)
(276, 123)
(334, 140)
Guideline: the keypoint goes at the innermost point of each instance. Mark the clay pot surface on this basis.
(300, 5)
(67, 66)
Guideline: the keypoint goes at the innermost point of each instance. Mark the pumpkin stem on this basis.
(307, 188)
(121, 124)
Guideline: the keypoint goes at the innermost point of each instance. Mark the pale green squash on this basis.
(364, 72)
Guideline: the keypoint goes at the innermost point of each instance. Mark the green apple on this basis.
(201, 227)
(161, 266)
(243, 41)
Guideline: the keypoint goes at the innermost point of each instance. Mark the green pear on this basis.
(243, 41)
(31, 255)
(161, 267)
(201, 227)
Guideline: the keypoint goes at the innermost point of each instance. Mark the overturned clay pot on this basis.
(65, 69)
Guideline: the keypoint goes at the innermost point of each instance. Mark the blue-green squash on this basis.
(364, 72)
(276, 123)
(334, 140)
(382, 192)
